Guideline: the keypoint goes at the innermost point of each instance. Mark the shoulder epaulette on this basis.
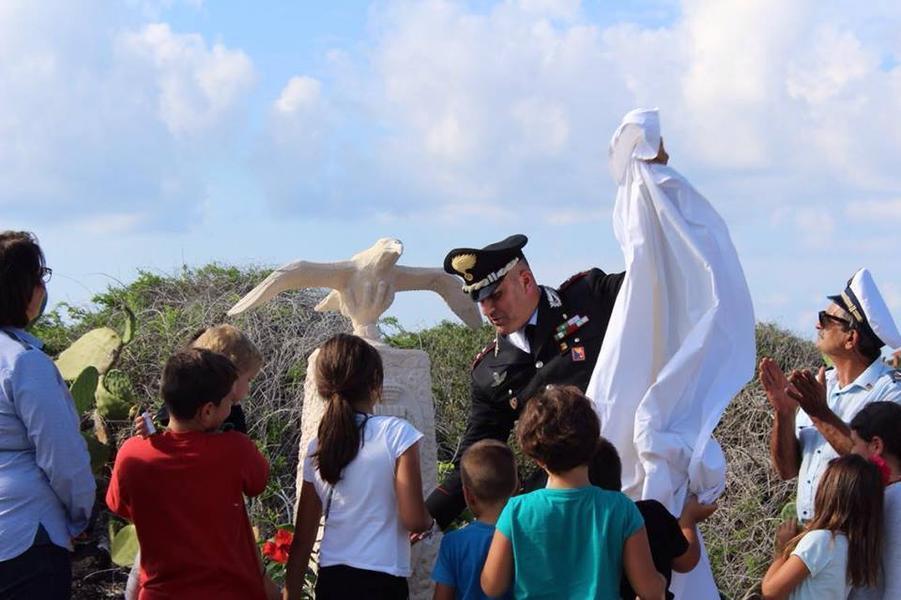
(572, 280)
(896, 376)
(482, 354)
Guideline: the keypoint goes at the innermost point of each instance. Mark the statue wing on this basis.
(295, 276)
(444, 284)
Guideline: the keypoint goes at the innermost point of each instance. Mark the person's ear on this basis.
(207, 411)
(876, 446)
(528, 280)
(853, 338)
(467, 496)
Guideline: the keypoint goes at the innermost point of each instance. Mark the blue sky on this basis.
(148, 134)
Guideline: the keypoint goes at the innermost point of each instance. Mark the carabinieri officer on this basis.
(543, 336)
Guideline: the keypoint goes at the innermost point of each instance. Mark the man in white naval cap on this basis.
(851, 332)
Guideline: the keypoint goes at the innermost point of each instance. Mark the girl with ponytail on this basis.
(361, 473)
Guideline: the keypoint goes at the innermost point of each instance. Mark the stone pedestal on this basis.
(407, 393)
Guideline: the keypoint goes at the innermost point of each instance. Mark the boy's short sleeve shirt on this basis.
(184, 493)
(569, 542)
(461, 558)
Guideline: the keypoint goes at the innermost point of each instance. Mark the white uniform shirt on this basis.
(877, 382)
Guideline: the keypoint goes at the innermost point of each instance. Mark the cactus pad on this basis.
(115, 395)
(83, 389)
(98, 348)
(99, 452)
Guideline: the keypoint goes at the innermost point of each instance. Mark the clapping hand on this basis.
(777, 386)
(809, 392)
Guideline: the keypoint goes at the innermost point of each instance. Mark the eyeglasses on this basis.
(825, 318)
(46, 274)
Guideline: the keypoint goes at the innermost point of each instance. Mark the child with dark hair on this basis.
(841, 546)
(675, 545)
(488, 471)
(570, 539)
(183, 489)
(232, 343)
(362, 474)
(876, 434)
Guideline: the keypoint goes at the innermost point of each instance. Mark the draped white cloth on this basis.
(680, 343)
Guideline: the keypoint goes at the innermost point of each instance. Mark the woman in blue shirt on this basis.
(46, 486)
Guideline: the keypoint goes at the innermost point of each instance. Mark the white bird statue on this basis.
(363, 287)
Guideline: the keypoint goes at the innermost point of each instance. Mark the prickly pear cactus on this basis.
(115, 395)
(98, 348)
(84, 388)
(99, 452)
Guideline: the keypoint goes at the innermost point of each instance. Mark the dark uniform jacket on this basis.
(563, 351)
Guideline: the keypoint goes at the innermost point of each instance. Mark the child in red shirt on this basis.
(183, 489)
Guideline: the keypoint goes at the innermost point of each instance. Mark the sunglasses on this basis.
(825, 318)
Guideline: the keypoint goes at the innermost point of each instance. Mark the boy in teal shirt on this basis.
(488, 470)
(571, 539)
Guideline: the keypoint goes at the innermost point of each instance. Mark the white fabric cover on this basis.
(680, 343)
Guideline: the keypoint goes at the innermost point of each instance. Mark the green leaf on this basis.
(84, 388)
(124, 546)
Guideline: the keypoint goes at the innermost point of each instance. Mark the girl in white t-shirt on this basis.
(841, 545)
(362, 474)
(876, 434)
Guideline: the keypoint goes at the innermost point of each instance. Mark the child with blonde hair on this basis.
(488, 470)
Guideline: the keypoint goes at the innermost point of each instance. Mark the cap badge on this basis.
(462, 263)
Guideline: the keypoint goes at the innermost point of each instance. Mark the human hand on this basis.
(895, 360)
(776, 386)
(809, 392)
(141, 426)
(426, 535)
(695, 512)
(785, 532)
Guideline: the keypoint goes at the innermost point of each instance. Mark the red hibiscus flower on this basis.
(278, 547)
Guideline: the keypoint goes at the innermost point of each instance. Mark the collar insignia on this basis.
(498, 378)
(553, 299)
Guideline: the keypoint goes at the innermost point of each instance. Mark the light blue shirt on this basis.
(878, 382)
(45, 469)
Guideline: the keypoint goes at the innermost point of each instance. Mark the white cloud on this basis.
(197, 88)
(512, 103)
(105, 115)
